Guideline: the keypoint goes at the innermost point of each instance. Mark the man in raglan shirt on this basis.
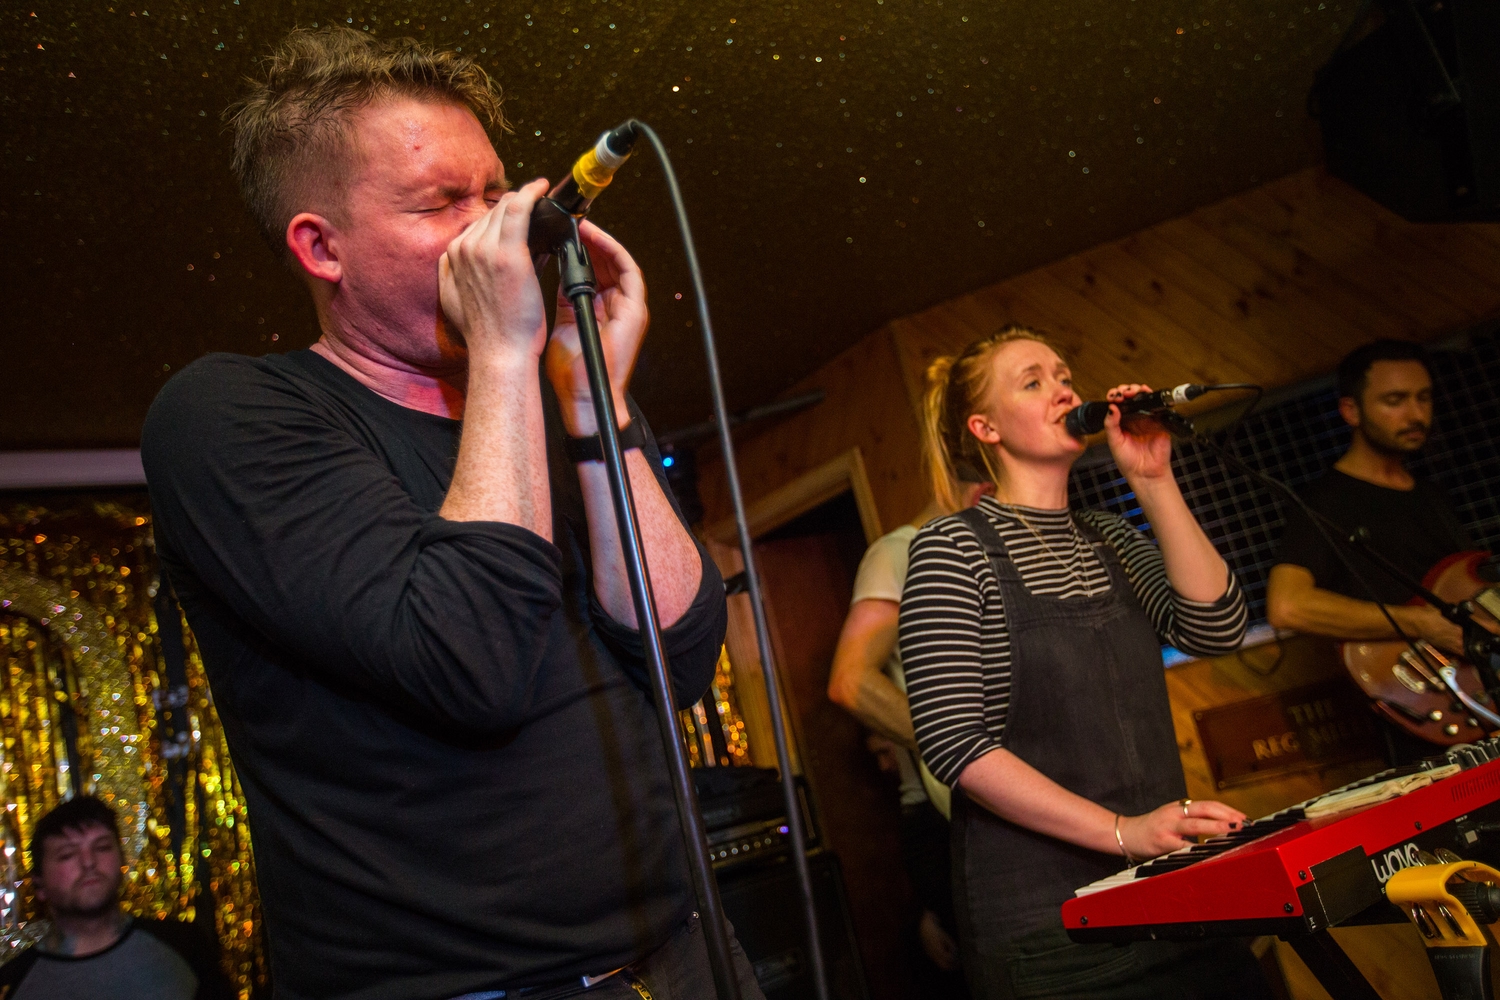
(402, 567)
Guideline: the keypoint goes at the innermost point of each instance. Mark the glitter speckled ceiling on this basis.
(845, 163)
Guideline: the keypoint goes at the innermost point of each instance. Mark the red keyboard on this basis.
(1288, 874)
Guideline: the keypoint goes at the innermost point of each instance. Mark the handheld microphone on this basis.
(1089, 418)
(591, 174)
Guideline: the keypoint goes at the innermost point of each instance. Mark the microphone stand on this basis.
(1481, 647)
(576, 278)
(752, 579)
(555, 231)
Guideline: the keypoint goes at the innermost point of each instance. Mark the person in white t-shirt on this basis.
(867, 680)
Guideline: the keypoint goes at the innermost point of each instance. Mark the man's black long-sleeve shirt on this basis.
(453, 769)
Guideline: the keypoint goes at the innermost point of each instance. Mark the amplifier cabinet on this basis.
(764, 904)
(744, 816)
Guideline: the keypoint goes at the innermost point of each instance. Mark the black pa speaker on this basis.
(1410, 113)
(765, 907)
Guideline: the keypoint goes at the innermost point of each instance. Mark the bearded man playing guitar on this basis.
(1385, 395)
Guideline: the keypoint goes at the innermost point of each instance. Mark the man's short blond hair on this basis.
(291, 137)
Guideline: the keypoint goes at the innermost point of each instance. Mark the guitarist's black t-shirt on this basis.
(1413, 528)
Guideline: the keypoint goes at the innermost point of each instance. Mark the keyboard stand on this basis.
(1331, 966)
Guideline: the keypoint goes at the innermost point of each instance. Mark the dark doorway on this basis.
(807, 568)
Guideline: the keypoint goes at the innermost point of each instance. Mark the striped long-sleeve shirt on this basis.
(955, 644)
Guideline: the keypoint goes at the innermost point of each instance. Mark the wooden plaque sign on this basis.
(1307, 727)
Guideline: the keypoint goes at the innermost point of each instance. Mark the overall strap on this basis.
(989, 539)
(1106, 554)
(1092, 534)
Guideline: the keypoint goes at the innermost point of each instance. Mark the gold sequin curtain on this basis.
(83, 660)
(82, 655)
(697, 734)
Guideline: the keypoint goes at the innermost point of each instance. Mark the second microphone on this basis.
(1089, 418)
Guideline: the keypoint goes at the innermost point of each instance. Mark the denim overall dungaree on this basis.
(1088, 709)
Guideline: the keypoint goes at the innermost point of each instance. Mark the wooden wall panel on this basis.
(866, 407)
(1334, 299)
(1252, 673)
(1181, 297)
(1423, 253)
(1325, 249)
(1271, 286)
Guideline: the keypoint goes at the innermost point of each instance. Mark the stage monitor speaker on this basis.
(1410, 112)
(765, 907)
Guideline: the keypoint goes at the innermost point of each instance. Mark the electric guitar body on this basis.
(1407, 688)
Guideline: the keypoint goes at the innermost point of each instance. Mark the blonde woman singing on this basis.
(1031, 637)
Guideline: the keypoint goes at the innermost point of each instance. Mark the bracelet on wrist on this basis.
(591, 448)
(1121, 841)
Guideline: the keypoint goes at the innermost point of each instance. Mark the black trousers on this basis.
(927, 858)
(678, 970)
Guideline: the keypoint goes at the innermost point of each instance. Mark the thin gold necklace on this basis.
(1065, 564)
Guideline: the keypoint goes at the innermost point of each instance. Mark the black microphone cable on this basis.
(752, 575)
(554, 220)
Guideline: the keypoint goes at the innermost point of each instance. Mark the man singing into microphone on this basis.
(411, 602)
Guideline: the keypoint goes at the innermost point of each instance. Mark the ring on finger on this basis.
(1184, 803)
